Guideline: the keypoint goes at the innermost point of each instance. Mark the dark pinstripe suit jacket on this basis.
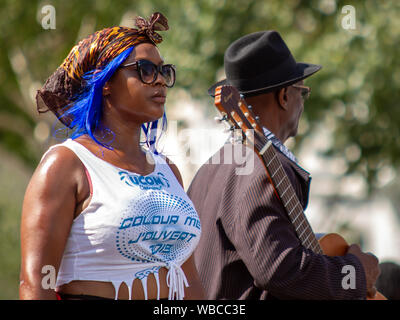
(248, 247)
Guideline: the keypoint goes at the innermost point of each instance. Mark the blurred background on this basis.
(349, 133)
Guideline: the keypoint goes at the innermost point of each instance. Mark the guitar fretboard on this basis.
(287, 194)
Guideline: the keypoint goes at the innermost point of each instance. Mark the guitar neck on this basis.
(235, 110)
(285, 191)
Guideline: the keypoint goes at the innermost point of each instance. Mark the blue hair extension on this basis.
(150, 132)
(86, 110)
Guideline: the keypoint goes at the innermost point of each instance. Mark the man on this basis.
(249, 248)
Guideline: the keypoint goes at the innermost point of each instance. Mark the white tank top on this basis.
(133, 226)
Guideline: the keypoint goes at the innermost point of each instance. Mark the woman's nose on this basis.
(160, 79)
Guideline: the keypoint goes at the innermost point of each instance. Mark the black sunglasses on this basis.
(148, 72)
(305, 91)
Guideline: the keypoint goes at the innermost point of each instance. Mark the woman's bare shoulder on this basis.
(175, 170)
(59, 168)
(59, 159)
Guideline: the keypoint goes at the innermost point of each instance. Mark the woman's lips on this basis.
(159, 98)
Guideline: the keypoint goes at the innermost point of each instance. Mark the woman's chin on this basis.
(159, 111)
(157, 114)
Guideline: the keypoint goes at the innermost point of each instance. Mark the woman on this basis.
(111, 223)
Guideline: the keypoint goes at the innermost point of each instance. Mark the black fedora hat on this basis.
(261, 62)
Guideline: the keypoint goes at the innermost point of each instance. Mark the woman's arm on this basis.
(47, 214)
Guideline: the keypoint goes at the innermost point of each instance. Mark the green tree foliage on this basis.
(357, 87)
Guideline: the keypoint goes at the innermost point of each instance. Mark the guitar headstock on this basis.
(234, 109)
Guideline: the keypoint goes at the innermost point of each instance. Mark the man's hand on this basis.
(370, 264)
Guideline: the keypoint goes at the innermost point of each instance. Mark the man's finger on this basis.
(372, 292)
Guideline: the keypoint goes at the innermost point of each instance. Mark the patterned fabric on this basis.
(279, 145)
(94, 53)
(249, 249)
(156, 22)
(98, 49)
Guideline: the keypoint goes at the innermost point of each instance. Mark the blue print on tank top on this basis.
(158, 226)
(155, 181)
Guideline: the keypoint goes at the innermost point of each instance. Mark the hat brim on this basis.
(303, 70)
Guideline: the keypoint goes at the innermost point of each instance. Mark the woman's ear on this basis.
(282, 97)
(106, 89)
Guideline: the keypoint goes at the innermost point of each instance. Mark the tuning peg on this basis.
(230, 129)
(240, 139)
(223, 118)
(252, 113)
(234, 140)
(217, 119)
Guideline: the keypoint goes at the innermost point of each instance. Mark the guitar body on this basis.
(333, 244)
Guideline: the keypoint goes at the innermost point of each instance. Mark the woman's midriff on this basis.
(107, 290)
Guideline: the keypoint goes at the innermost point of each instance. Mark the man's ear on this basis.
(282, 97)
(106, 89)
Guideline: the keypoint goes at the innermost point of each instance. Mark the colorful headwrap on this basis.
(90, 64)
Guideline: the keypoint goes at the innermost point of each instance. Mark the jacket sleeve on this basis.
(268, 245)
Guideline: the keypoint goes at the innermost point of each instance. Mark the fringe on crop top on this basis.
(133, 226)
